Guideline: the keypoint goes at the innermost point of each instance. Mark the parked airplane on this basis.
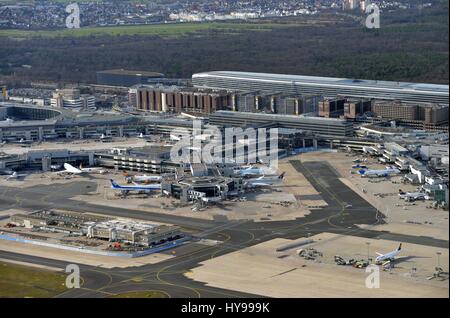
(15, 176)
(378, 173)
(105, 138)
(249, 171)
(72, 170)
(413, 196)
(388, 256)
(174, 137)
(139, 188)
(264, 181)
(55, 167)
(145, 137)
(142, 178)
(359, 166)
(22, 141)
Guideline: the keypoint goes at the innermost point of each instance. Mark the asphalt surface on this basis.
(168, 276)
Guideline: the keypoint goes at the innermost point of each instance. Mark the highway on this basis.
(168, 276)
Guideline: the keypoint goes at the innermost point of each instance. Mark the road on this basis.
(169, 275)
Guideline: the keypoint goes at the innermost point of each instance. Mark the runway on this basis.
(168, 276)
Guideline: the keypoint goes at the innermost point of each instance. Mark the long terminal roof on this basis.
(331, 81)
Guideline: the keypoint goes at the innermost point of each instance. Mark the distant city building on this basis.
(350, 4)
(363, 4)
(71, 98)
(326, 86)
(99, 227)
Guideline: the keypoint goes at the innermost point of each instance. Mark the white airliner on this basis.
(15, 176)
(146, 137)
(142, 178)
(388, 256)
(255, 171)
(72, 170)
(135, 187)
(379, 173)
(22, 141)
(264, 181)
(104, 138)
(413, 196)
(174, 137)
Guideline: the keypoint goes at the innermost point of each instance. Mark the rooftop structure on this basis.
(327, 86)
(127, 78)
(92, 226)
(36, 123)
(323, 126)
(72, 98)
(133, 73)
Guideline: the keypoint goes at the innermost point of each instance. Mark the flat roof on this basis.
(279, 117)
(26, 123)
(298, 79)
(132, 73)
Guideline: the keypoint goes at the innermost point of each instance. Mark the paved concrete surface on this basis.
(360, 221)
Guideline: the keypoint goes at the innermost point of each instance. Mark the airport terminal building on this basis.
(327, 86)
(316, 125)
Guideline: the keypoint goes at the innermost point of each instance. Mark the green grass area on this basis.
(142, 294)
(17, 281)
(163, 30)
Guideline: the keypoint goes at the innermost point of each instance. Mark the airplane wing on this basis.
(379, 254)
(386, 262)
(259, 184)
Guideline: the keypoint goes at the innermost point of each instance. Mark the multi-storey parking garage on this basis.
(322, 126)
(326, 86)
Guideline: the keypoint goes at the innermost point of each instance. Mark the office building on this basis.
(71, 98)
(275, 102)
(417, 115)
(331, 107)
(354, 108)
(181, 99)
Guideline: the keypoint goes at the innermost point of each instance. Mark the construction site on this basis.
(90, 233)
